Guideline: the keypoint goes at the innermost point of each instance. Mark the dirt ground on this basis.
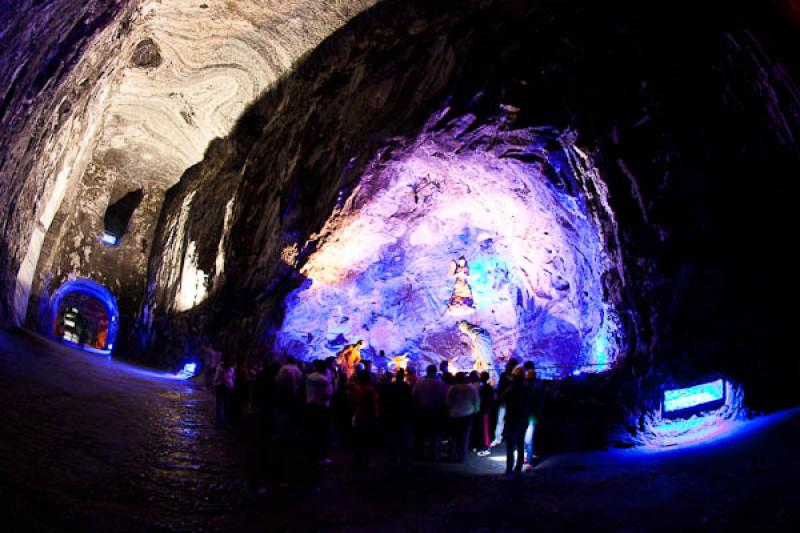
(91, 444)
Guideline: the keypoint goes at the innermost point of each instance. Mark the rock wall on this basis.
(160, 79)
(682, 136)
(57, 66)
(679, 117)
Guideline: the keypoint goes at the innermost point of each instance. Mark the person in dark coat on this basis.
(396, 407)
(364, 402)
(517, 401)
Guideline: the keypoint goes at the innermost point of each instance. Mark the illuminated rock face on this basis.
(534, 254)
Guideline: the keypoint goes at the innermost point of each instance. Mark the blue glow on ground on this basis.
(695, 396)
(85, 348)
(704, 431)
(189, 370)
(658, 432)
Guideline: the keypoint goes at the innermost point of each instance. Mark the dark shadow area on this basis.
(118, 215)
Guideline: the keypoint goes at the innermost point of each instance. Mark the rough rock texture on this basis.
(680, 135)
(679, 128)
(536, 259)
(149, 84)
(56, 73)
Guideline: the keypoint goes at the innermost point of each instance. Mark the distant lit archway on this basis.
(84, 313)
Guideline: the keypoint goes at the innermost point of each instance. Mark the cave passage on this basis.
(84, 313)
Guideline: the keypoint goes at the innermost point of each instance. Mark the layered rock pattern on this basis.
(370, 89)
(163, 78)
(536, 259)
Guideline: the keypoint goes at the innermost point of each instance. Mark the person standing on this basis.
(503, 382)
(429, 395)
(240, 391)
(462, 403)
(364, 401)
(396, 409)
(319, 391)
(532, 383)
(517, 402)
(487, 397)
(289, 390)
(224, 382)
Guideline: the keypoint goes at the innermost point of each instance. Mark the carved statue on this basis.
(482, 353)
(461, 302)
(399, 362)
(349, 357)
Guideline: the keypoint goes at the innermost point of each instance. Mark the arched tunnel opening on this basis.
(83, 313)
(598, 193)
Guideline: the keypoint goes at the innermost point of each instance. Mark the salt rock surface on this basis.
(214, 61)
(535, 261)
(154, 83)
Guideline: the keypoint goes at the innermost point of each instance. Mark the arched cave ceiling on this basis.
(104, 97)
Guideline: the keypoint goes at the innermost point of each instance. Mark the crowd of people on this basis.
(440, 416)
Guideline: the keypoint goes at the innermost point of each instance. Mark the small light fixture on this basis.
(702, 396)
(109, 239)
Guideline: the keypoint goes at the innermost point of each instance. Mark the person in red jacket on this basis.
(364, 403)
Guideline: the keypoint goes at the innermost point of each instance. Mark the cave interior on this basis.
(618, 188)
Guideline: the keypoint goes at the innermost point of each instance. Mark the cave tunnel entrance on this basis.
(85, 314)
(118, 216)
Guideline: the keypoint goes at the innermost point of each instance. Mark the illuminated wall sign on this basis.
(700, 397)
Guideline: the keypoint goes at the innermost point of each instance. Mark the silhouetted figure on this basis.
(364, 401)
(429, 396)
(532, 382)
(396, 408)
(483, 418)
(224, 382)
(240, 391)
(319, 392)
(502, 384)
(462, 404)
(289, 392)
(517, 401)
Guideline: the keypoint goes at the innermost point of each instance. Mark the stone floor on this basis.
(91, 444)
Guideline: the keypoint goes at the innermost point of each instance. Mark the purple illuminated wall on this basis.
(535, 256)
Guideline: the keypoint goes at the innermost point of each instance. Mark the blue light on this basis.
(109, 239)
(188, 371)
(95, 290)
(487, 274)
(696, 397)
(600, 350)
